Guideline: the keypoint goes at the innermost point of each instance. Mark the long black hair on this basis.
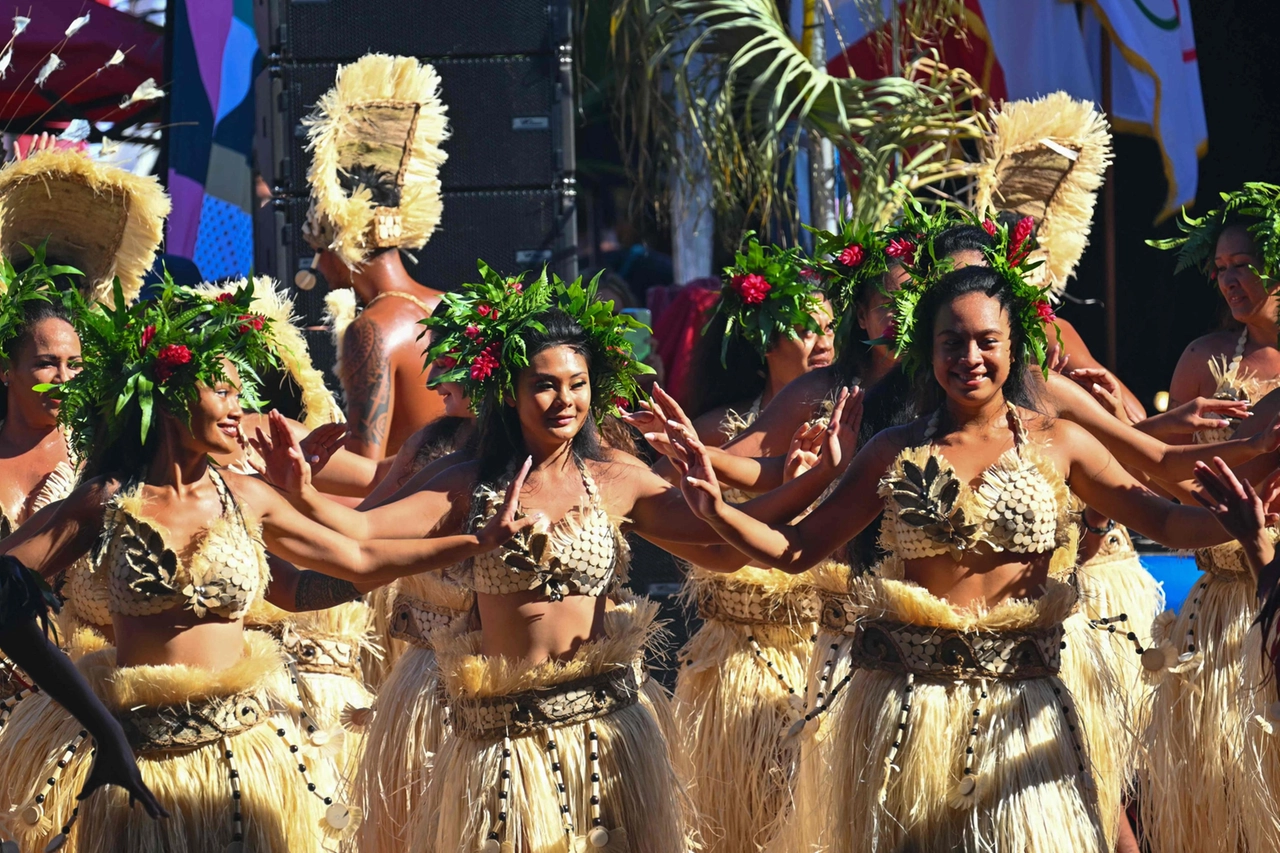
(714, 383)
(501, 439)
(33, 313)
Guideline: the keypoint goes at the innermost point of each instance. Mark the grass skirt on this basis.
(1029, 794)
(1211, 771)
(280, 815)
(641, 802)
(406, 730)
(734, 710)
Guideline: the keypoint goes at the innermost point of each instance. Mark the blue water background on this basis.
(1177, 573)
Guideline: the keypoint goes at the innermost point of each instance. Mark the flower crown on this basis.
(1258, 201)
(155, 353)
(479, 332)
(36, 283)
(768, 292)
(1008, 258)
(859, 254)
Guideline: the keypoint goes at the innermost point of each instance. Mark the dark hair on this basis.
(383, 189)
(501, 440)
(975, 279)
(853, 361)
(33, 313)
(713, 383)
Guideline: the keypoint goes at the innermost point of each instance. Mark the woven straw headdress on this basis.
(383, 117)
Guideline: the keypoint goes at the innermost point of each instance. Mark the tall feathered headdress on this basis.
(1046, 159)
(382, 123)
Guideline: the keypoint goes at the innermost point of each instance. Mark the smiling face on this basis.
(48, 352)
(553, 396)
(972, 347)
(216, 415)
(1234, 258)
(809, 350)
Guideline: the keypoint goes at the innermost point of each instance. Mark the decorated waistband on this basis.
(320, 655)
(192, 725)
(564, 704)
(413, 620)
(930, 652)
(745, 606)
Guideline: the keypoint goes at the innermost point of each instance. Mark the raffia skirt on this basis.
(183, 722)
(740, 687)
(409, 719)
(956, 731)
(1211, 769)
(557, 756)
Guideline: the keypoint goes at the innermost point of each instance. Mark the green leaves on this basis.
(1257, 203)
(766, 295)
(36, 283)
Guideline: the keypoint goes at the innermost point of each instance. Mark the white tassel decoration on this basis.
(77, 131)
(77, 25)
(5, 61)
(116, 59)
(147, 91)
(52, 64)
(19, 24)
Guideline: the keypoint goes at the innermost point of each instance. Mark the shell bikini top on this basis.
(225, 575)
(582, 554)
(1234, 382)
(1021, 504)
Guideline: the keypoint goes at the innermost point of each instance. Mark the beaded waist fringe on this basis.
(414, 619)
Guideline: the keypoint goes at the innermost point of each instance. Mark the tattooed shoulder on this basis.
(366, 381)
(316, 591)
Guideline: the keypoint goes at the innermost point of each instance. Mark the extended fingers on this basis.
(1229, 478)
(1211, 483)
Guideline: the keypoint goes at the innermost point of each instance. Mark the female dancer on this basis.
(517, 771)
(1212, 774)
(772, 324)
(959, 733)
(205, 703)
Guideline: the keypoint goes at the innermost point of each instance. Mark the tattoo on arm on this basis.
(316, 591)
(366, 380)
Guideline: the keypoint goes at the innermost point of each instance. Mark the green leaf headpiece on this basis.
(1257, 203)
(36, 283)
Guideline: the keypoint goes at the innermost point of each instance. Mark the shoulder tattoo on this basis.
(366, 380)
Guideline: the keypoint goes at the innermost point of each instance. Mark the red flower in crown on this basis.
(1213, 274)
(448, 362)
(169, 359)
(226, 297)
(1021, 232)
(472, 332)
(851, 256)
(989, 227)
(483, 365)
(484, 310)
(515, 284)
(752, 288)
(250, 322)
(622, 403)
(147, 334)
(1045, 310)
(891, 331)
(903, 250)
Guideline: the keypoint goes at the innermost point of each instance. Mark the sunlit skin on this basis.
(1235, 260)
(970, 362)
(30, 444)
(787, 360)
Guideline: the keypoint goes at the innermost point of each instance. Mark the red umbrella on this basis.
(78, 89)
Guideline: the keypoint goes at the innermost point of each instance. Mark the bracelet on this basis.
(1098, 531)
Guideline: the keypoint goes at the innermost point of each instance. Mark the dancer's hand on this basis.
(1195, 415)
(652, 419)
(283, 463)
(114, 764)
(504, 524)
(804, 451)
(698, 481)
(1104, 387)
(321, 443)
(842, 430)
(1267, 441)
(1241, 510)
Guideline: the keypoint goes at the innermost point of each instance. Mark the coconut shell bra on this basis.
(1020, 504)
(224, 576)
(579, 555)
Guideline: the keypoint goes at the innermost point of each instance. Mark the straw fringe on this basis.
(1028, 795)
(639, 792)
(1212, 765)
(134, 205)
(1020, 127)
(377, 78)
(280, 815)
(340, 311)
(318, 403)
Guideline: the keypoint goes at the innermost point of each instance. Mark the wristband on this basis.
(1098, 531)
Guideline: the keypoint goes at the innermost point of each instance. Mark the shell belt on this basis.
(190, 726)
(517, 714)
(930, 652)
(413, 620)
(743, 605)
(319, 654)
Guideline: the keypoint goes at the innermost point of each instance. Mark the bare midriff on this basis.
(179, 637)
(527, 626)
(981, 579)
